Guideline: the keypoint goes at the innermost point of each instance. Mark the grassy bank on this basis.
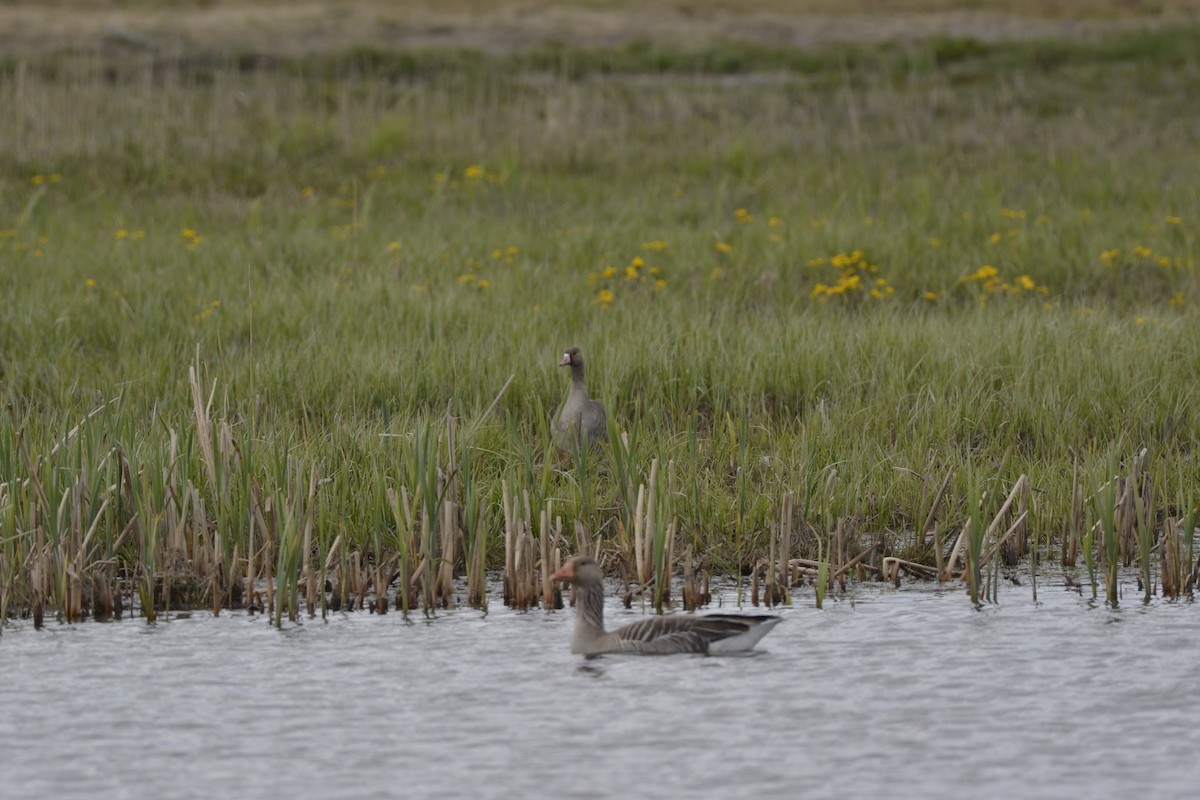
(841, 273)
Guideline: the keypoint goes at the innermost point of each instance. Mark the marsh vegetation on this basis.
(283, 331)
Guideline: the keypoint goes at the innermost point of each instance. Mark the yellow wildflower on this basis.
(393, 247)
(121, 234)
(38, 180)
(774, 222)
(473, 172)
(1171, 220)
(657, 245)
(631, 273)
(609, 272)
(659, 283)
(466, 277)
(1177, 300)
(605, 296)
(930, 295)
(483, 283)
(1025, 282)
(90, 283)
(307, 191)
(1109, 256)
(724, 247)
(637, 262)
(995, 238)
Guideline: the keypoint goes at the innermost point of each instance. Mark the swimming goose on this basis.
(713, 634)
(579, 416)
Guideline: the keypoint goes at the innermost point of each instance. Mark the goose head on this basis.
(572, 358)
(580, 570)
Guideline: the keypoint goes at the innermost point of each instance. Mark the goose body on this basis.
(713, 634)
(580, 418)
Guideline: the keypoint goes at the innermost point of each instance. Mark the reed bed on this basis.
(282, 336)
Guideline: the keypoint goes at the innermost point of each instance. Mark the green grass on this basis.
(352, 248)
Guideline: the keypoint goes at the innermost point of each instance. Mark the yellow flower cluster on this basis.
(1143, 254)
(991, 281)
(476, 173)
(507, 254)
(635, 273)
(206, 311)
(42, 180)
(470, 279)
(34, 248)
(122, 234)
(191, 238)
(857, 278)
(743, 216)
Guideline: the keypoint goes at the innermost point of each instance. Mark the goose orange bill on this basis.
(567, 573)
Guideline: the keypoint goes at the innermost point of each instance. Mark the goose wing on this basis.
(686, 634)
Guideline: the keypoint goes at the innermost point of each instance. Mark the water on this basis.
(906, 692)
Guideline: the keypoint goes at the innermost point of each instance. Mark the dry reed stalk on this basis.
(769, 574)
(1169, 559)
(583, 541)
(307, 573)
(639, 532)
(938, 556)
(476, 574)
(449, 555)
(689, 591)
(838, 566)
(651, 509)
(527, 578)
(200, 412)
(423, 569)
(665, 594)
(1123, 513)
(892, 566)
(784, 550)
(1074, 525)
(510, 543)
(556, 592)
(956, 552)
(754, 585)
(544, 561)
(937, 501)
(998, 545)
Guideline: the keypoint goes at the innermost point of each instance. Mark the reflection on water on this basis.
(907, 692)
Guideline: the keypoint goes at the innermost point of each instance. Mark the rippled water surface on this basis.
(907, 692)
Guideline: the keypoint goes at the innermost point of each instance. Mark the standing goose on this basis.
(713, 634)
(580, 419)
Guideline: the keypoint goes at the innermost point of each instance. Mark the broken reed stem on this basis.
(937, 501)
